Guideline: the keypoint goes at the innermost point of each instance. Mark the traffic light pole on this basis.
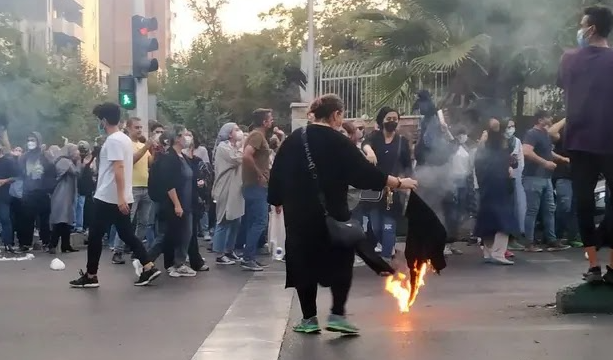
(142, 89)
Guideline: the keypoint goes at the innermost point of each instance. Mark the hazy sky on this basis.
(237, 17)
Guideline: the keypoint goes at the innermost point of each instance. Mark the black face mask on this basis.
(390, 126)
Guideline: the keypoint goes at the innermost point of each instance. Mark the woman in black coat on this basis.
(311, 257)
(496, 217)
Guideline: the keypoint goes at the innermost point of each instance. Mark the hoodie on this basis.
(37, 169)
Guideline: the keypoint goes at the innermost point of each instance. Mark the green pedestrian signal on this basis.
(127, 101)
(127, 92)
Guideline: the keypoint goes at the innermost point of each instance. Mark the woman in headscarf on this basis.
(62, 200)
(227, 192)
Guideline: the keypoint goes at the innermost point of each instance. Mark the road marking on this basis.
(254, 326)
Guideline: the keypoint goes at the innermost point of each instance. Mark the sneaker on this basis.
(357, 262)
(251, 265)
(498, 261)
(11, 250)
(262, 265)
(576, 243)
(264, 251)
(337, 323)
(148, 276)
(509, 254)
(557, 246)
(85, 282)
(608, 277)
(593, 275)
(207, 237)
(24, 248)
(118, 259)
(138, 267)
(533, 248)
(182, 271)
(224, 260)
(232, 256)
(515, 246)
(203, 268)
(447, 251)
(378, 248)
(308, 326)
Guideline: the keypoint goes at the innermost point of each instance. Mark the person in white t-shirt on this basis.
(112, 200)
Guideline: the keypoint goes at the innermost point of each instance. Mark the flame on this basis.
(404, 288)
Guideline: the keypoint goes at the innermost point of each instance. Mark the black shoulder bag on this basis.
(373, 196)
(342, 233)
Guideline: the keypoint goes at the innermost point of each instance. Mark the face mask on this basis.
(187, 141)
(239, 135)
(509, 132)
(31, 145)
(156, 137)
(462, 138)
(582, 41)
(390, 126)
(101, 129)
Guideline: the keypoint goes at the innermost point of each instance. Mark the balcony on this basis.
(65, 28)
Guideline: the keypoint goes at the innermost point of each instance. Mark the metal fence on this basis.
(356, 84)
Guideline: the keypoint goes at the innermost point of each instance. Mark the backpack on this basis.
(154, 184)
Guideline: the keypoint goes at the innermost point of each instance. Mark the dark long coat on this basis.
(310, 256)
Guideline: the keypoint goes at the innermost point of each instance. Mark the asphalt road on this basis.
(472, 311)
(42, 318)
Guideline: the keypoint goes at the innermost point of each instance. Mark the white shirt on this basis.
(117, 147)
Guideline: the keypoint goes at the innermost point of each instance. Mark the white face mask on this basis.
(239, 136)
(188, 141)
(462, 138)
(31, 145)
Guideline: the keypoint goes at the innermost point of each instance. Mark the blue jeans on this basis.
(224, 238)
(539, 195)
(8, 237)
(255, 219)
(566, 214)
(79, 205)
(384, 227)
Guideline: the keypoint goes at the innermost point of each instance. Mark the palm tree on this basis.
(491, 48)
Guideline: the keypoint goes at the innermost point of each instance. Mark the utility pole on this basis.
(310, 90)
(142, 89)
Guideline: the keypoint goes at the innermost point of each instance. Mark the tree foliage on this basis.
(51, 94)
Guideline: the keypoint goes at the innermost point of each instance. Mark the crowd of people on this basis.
(156, 195)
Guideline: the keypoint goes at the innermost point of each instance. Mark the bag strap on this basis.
(313, 170)
(398, 157)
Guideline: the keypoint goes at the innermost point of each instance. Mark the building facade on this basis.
(57, 26)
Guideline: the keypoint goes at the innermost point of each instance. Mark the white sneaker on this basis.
(182, 271)
(138, 267)
(357, 262)
(447, 251)
(378, 248)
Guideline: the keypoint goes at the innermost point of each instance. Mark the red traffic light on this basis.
(144, 31)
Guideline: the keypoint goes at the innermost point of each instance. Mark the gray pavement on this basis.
(473, 311)
(42, 318)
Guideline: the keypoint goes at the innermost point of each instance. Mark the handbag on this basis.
(342, 233)
(373, 196)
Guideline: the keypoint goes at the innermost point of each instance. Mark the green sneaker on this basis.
(576, 243)
(515, 246)
(308, 326)
(337, 323)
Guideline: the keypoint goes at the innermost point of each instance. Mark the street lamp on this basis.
(311, 52)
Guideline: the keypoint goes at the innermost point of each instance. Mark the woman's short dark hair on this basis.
(384, 111)
(324, 106)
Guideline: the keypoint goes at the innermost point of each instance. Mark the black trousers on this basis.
(18, 219)
(36, 206)
(585, 170)
(105, 215)
(61, 231)
(308, 298)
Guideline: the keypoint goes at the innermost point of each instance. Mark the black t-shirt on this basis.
(543, 147)
(562, 171)
(8, 169)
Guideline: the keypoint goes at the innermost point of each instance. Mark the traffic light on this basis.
(142, 45)
(127, 92)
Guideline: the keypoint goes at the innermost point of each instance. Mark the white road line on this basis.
(254, 326)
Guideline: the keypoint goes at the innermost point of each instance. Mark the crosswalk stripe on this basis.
(254, 325)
